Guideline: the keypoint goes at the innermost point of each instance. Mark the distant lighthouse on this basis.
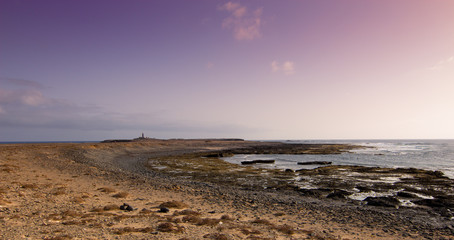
(143, 136)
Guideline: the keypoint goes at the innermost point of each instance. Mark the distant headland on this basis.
(142, 138)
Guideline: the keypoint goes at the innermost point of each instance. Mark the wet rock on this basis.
(382, 201)
(257, 161)
(437, 202)
(217, 155)
(407, 194)
(315, 192)
(315, 163)
(338, 194)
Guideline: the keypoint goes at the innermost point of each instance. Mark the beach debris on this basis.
(315, 163)
(257, 161)
(126, 207)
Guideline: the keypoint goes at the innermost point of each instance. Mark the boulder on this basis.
(315, 163)
(257, 161)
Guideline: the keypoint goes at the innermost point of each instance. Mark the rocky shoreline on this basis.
(191, 169)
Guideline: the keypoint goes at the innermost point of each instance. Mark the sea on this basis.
(436, 155)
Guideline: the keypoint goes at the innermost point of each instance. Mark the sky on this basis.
(258, 69)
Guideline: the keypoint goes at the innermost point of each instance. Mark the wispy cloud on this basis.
(443, 63)
(245, 25)
(287, 67)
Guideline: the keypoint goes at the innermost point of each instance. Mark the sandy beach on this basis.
(154, 189)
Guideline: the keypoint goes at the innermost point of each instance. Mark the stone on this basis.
(164, 210)
(257, 161)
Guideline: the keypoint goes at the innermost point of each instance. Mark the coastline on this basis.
(63, 188)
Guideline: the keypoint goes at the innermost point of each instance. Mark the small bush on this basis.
(186, 212)
(216, 236)
(285, 229)
(124, 230)
(107, 190)
(167, 227)
(226, 218)
(191, 219)
(173, 204)
(209, 222)
(262, 221)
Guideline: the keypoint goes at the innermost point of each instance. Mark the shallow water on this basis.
(423, 154)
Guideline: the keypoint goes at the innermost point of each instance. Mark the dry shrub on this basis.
(186, 212)
(70, 213)
(78, 200)
(174, 220)
(279, 214)
(262, 221)
(111, 207)
(247, 231)
(168, 227)
(106, 208)
(226, 217)
(285, 229)
(191, 219)
(124, 230)
(209, 222)
(173, 204)
(59, 191)
(29, 186)
(121, 195)
(61, 237)
(107, 190)
(216, 236)
(253, 237)
(146, 211)
(3, 202)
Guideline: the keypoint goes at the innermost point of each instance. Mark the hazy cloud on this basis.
(443, 63)
(209, 65)
(287, 67)
(27, 113)
(245, 25)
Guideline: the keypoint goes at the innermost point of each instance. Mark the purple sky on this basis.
(340, 69)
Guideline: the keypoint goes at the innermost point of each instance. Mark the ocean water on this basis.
(423, 154)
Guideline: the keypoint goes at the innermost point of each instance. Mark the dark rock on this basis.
(338, 194)
(126, 207)
(438, 202)
(257, 161)
(382, 201)
(315, 192)
(164, 210)
(407, 195)
(315, 163)
(288, 170)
